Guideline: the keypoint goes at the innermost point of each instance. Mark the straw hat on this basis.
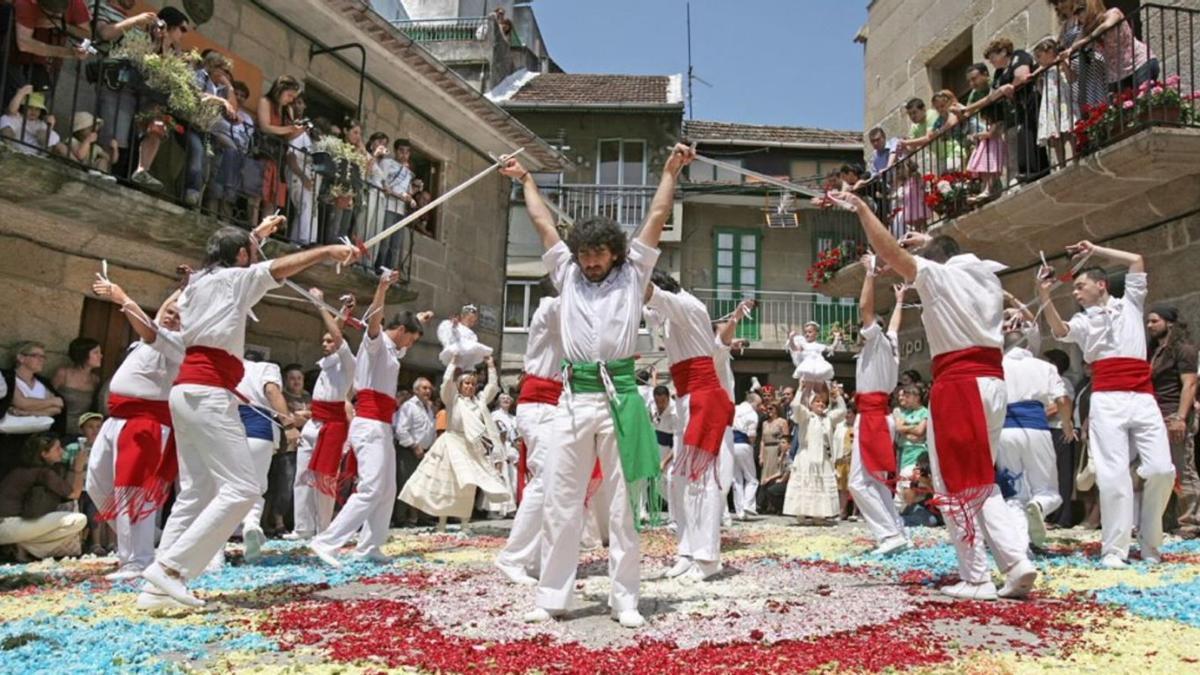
(84, 120)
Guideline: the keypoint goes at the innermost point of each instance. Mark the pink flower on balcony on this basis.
(1173, 81)
(1157, 91)
(1128, 105)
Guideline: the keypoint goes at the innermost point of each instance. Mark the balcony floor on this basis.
(1150, 177)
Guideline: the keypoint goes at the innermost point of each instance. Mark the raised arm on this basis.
(539, 213)
(664, 197)
(449, 390)
(1134, 261)
(897, 309)
(880, 239)
(866, 298)
(332, 325)
(1058, 327)
(728, 330)
(492, 388)
(141, 324)
(375, 311)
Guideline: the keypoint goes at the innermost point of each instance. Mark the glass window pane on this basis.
(724, 275)
(725, 258)
(725, 240)
(748, 277)
(748, 259)
(514, 305)
(749, 242)
(635, 166)
(608, 172)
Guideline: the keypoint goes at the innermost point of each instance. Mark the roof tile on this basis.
(697, 130)
(579, 88)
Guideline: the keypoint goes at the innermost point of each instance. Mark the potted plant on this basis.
(948, 193)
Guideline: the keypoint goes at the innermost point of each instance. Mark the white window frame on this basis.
(621, 160)
(527, 311)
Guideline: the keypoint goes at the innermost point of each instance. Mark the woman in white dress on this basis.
(460, 345)
(812, 487)
(808, 355)
(445, 481)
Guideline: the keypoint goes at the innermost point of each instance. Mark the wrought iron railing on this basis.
(446, 30)
(626, 204)
(1099, 91)
(780, 314)
(232, 175)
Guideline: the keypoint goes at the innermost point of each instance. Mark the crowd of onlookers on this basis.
(1023, 115)
(239, 159)
(49, 421)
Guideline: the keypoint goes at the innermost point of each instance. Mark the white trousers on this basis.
(218, 482)
(524, 546)
(1123, 426)
(304, 223)
(872, 497)
(581, 431)
(1029, 453)
(135, 541)
(745, 480)
(42, 537)
(261, 451)
(370, 507)
(312, 509)
(700, 504)
(996, 524)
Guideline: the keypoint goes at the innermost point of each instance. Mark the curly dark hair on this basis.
(664, 281)
(598, 232)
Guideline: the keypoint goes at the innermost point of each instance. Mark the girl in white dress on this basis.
(460, 345)
(808, 354)
(812, 487)
(444, 483)
(505, 455)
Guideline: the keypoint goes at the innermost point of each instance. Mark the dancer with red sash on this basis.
(323, 437)
(376, 374)
(541, 387)
(705, 411)
(963, 309)
(872, 457)
(218, 485)
(133, 463)
(1125, 421)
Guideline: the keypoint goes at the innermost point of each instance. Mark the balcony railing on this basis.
(779, 313)
(626, 204)
(446, 30)
(235, 176)
(1106, 89)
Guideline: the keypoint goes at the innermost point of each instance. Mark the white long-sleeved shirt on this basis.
(213, 307)
(878, 366)
(745, 420)
(337, 375)
(684, 319)
(1027, 378)
(149, 369)
(962, 303)
(255, 378)
(377, 364)
(543, 350)
(415, 424)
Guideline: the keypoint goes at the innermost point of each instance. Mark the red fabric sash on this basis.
(145, 468)
(1122, 374)
(375, 405)
(874, 437)
(710, 412)
(960, 427)
(322, 470)
(211, 367)
(536, 389)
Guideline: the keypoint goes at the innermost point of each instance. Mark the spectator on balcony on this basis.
(911, 212)
(883, 149)
(1056, 113)
(346, 186)
(213, 79)
(990, 156)
(1128, 60)
(922, 119)
(118, 104)
(422, 197)
(392, 178)
(85, 143)
(168, 37)
(78, 381)
(275, 119)
(946, 133)
(304, 183)
(45, 35)
(1088, 74)
(26, 119)
(232, 137)
(1014, 67)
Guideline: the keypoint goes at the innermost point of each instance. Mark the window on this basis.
(621, 162)
(521, 298)
(948, 70)
(736, 270)
(699, 172)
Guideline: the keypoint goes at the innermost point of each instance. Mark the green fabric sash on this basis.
(636, 443)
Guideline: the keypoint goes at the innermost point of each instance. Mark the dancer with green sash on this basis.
(601, 277)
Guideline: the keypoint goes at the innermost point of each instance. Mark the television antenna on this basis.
(691, 74)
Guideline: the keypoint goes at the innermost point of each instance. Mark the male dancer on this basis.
(218, 484)
(872, 458)
(263, 407)
(745, 475)
(1125, 421)
(666, 425)
(963, 312)
(376, 372)
(1026, 463)
(705, 411)
(133, 463)
(541, 387)
(323, 437)
(601, 280)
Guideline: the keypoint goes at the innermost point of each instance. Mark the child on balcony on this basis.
(912, 212)
(1056, 114)
(808, 354)
(991, 153)
(26, 120)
